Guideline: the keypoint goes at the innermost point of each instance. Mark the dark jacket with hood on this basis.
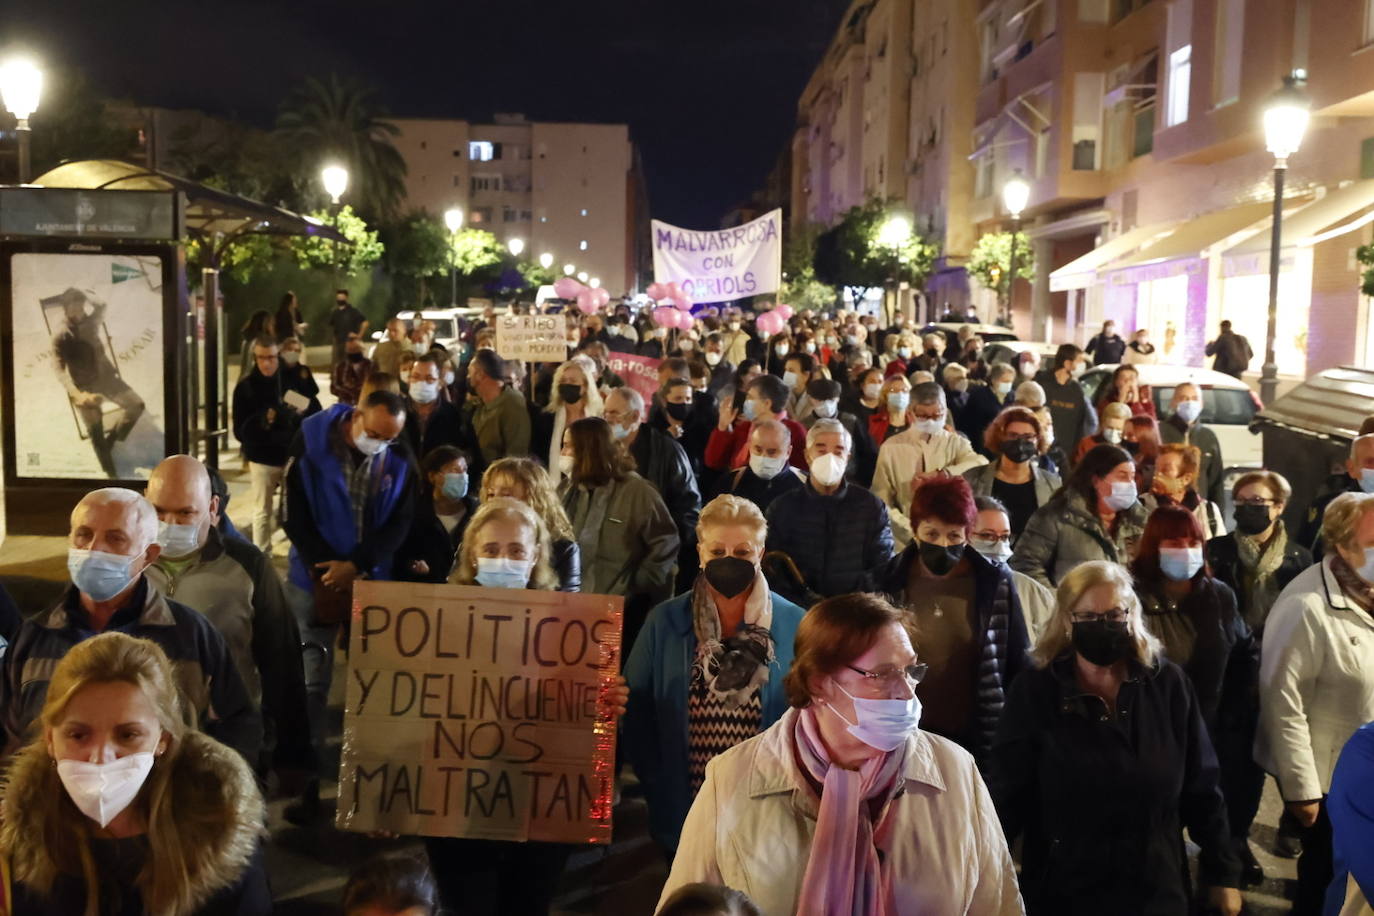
(664, 463)
(1065, 532)
(220, 823)
(1001, 632)
(836, 541)
(1102, 800)
(263, 424)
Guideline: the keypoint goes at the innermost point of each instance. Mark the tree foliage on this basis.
(475, 250)
(800, 288)
(1365, 256)
(315, 252)
(990, 262)
(417, 246)
(851, 254)
(340, 119)
(72, 124)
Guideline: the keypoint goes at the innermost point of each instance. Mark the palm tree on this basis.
(342, 119)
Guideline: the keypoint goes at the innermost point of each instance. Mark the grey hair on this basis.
(828, 425)
(999, 370)
(633, 399)
(145, 516)
(928, 393)
(1030, 394)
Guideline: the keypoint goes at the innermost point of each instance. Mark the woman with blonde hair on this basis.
(506, 546)
(526, 480)
(706, 672)
(1102, 758)
(119, 806)
(574, 395)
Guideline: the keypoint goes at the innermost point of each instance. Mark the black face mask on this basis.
(1102, 642)
(729, 575)
(932, 353)
(679, 412)
(1019, 450)
(1252, 520)
(355, 357)
(939, 559)
(570, 394)
(1131, 446)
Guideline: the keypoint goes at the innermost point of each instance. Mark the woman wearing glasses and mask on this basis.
(967, 612)
(1101, 760)
(844, 805)
(706, 671)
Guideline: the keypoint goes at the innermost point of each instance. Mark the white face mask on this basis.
(1002, 389)
(930, 427)
(1189, 411)
(765, 467)
(828, 469)
(685, 345)
(809, 347)
(1112, 435)
(1366, 572)
(998, 550)
(827, 409)
(898, 400)
(871, 391)
(449, 377)
(734, 325)
(102, 790)
(883, 724)
(425, 392)
(1028, 370)
(290, 357)
(1123, 495)
(503, 572)
(790, 380)
(178, 541)
(1180, 563)
(565, 465)
(712, 358)
(369, 446)
(781, 349)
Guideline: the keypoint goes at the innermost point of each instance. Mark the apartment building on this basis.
(1139, 127)
(575, 191)
(888, 113)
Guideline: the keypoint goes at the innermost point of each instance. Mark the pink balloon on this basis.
(586, 302)
(665, 316)
(784, 310)
(769, 323)
(567, 288)
(657, 291)
(685, 321)
(683, 303)
(672, 290)
(602, 297)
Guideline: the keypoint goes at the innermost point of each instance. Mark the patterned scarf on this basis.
(735, 668)
(1258, 564)
(1355, 588)
(844, 872)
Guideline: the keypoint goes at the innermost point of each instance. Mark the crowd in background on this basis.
(891, 612)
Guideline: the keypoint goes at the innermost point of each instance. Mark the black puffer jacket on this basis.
(1001, 629)
(664, 463)
(835, 541)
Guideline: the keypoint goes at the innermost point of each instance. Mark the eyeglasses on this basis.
(992, 536)
(1115, 615)
(890, 674)
(1257, 501)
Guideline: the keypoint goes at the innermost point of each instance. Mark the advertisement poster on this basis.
(721, 265)
(474, 712)
(88, 365)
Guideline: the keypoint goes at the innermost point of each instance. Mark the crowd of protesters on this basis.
(890, 614)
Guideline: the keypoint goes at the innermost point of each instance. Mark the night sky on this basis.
(708, 87)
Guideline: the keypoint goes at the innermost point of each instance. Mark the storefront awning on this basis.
(1081, 272)
(1342, 210)
(1196, 237)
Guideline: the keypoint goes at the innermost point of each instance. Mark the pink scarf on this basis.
(844, 876)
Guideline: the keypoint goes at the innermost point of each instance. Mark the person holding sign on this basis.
(844, 805)
(706, 672)
(629, 540)
(506, 546)
(526, 480)
(118, 806)
(573, 397)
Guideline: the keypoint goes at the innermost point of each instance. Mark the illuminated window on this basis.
(1180, 72)
(481, 151)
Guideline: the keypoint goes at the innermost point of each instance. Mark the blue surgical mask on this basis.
(503, 572)
(98, 574)
(1180, 563)
(1367, 480)
(1188, 411)
(619, 430)
(178, 541)
(751, 409)
(1366, 572)
(424, 392)
(898, 400)
(1123, 495)
(455, 486)
(1002, 389)
(883, 724)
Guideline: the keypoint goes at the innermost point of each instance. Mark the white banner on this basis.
(719, 265)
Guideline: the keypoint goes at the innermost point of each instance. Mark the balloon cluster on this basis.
(679, 314)
(774, 321)
(588, 299)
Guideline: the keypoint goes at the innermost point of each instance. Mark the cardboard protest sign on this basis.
(534, 338)
(720, 265)
(638, 372)
(473, 712)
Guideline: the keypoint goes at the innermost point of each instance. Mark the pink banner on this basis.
(638, 372)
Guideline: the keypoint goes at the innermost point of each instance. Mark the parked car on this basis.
(1006, 351)
(1228, 407)
(989, 332)
(448, 323)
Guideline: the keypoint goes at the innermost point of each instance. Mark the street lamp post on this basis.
(894, 233)
(453, 219)
(335, 181)
(1285, 121)
(1015, 194)
(21, 85)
